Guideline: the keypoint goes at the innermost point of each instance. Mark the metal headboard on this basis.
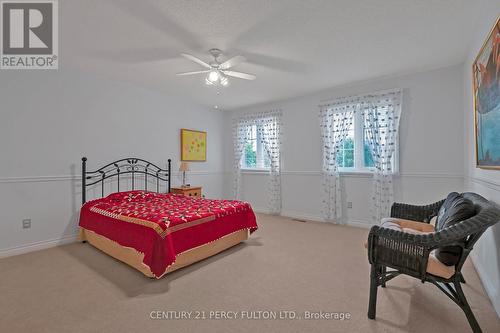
(127, 166)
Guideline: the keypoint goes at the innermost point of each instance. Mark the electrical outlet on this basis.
(349, 204)
(26, 223)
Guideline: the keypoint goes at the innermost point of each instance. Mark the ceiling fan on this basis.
(218, 72)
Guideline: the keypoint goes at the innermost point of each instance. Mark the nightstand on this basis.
(191, 191)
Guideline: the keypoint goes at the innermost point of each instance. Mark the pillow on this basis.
(433, 221)
(442, 214)
(454, 210)
(135, 196)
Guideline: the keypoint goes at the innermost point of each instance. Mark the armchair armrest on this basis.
(408, 252)
(415, 213)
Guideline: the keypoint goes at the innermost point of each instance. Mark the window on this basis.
(345, 156)
(257, 146)
(355, 154)
(254, 155)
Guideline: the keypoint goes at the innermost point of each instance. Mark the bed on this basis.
(156, 231)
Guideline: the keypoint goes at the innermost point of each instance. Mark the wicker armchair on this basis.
(405, 253)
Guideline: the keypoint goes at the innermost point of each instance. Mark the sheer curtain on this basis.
(269, 128)
(241, 133)
(335, 121)
(381, 115)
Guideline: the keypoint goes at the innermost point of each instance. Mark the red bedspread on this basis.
(164, 225)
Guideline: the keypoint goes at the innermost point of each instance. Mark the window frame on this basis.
(359, 156)
(259, 154)
(343, 149)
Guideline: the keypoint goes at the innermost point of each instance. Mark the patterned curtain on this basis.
(335, 120)
(241, 134)
(269, 128)
(381, 115)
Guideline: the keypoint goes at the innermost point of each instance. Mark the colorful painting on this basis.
(486, 80)
(193, 145)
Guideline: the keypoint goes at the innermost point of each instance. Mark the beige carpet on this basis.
(286, 265)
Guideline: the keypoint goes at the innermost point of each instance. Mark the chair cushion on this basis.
(437, 268)
(406, 224)
(454, 210)
(390, 224)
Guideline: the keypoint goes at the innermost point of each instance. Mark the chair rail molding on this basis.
(58, 178)
(447, 175)
(494, 185)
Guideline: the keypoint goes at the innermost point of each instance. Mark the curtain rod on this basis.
(326, 102)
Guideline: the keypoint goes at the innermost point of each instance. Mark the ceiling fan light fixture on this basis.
(224, 81)
(218, 73)
(213, 76)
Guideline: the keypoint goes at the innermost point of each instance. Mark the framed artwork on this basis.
(486, 91)
(193, 145)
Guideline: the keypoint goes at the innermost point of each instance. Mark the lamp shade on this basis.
(184, 166)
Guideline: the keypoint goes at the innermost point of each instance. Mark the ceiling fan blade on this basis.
(198, 61)
(232, 62)
(240, 75)
(191, 73)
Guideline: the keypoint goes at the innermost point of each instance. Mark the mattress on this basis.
(157, 230)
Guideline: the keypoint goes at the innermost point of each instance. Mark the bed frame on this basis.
(128, 255)
(126, 166)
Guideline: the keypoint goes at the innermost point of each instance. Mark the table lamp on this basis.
(184, 167)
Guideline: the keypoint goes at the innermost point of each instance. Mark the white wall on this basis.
(431, 146)
(50, 119)
(486, 255)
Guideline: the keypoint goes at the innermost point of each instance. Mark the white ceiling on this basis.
(293, 46)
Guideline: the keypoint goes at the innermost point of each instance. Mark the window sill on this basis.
(254, 171)
(349, 171)
(361, 173)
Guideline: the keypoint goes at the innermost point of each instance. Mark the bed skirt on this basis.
(135, 258)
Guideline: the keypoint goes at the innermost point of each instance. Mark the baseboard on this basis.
(302, 216)
(291, 214)
(260, 210)
(489, 286)
(365, 224)
(36, 246)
